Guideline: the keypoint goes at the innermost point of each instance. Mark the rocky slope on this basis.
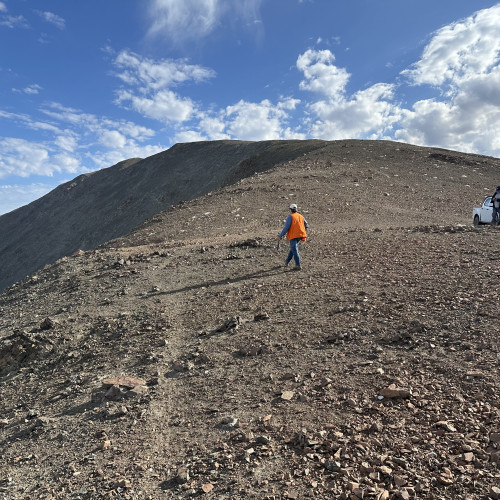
(96, 207)
(183, 360)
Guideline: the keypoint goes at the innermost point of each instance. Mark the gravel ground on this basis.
(184, 360)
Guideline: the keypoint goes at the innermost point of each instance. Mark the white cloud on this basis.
(368, 113)
(104, 158)
(321, 75)
(67, 163)
(3, 7)
(67, 142)
(28, 122)
(150, 80)
(25, 158)
(30, 89)
(175, 18)
(195, 19)
(131, 129)
(244, 121)
(460, 51)
(13, 21)
(462, 61)
(52, 18)
(112, 139)
(164, 106)
(256, 121)
(16, 195)
(289, 103)
(86, 123)
(461, 64)
(81, 142)
(149, 75)
(189, 136)
(213, 128)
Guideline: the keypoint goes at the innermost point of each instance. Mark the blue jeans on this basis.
(294, 251)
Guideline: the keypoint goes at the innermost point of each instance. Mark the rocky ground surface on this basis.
(185, 361)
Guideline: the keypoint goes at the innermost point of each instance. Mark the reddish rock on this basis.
(124, 381)
(393, 392)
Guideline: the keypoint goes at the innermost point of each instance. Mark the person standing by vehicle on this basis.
(495, 199)
(295, 230)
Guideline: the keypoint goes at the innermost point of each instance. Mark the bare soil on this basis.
(184, 360)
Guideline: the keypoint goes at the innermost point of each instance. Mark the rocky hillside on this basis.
(183, 360)
(96, 207)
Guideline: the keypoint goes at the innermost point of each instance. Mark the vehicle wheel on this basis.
(476, 220)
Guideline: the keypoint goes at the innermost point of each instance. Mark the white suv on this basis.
(484, 213)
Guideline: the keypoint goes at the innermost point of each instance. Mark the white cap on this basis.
(293, 206)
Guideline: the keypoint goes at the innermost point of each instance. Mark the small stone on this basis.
(404, 494)
(365, 469)
(399, 481)
(105, 444)
(263, 439)
(287, 395)
(333, 466)
(351, 486)
(138, 390)
(495, 493)
(114, 393)
(230, 423)
(261, 317)
(445, 480)
(495, 437)
(393, 392)
(358, 493)
(178, 367)
(182, 476)
(207, 487)
(383, 495)
(385, 470)
(446, 426)
(47, 324)
(125, 484)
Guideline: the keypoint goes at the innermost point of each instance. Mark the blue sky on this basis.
(84, 85)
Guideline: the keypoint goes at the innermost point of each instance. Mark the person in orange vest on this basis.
(295, 230)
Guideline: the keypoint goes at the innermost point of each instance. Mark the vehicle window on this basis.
(487, 202)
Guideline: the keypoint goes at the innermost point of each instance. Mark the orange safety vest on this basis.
(297, 227)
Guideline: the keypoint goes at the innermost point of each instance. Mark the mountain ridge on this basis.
(94, 208)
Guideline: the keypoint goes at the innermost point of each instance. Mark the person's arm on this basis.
(286, 227)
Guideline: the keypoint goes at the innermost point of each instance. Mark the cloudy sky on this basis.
(84, 85)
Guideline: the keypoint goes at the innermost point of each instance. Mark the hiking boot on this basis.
(297, 268)
(286, 263)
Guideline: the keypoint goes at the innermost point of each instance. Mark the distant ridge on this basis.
(97, 207)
